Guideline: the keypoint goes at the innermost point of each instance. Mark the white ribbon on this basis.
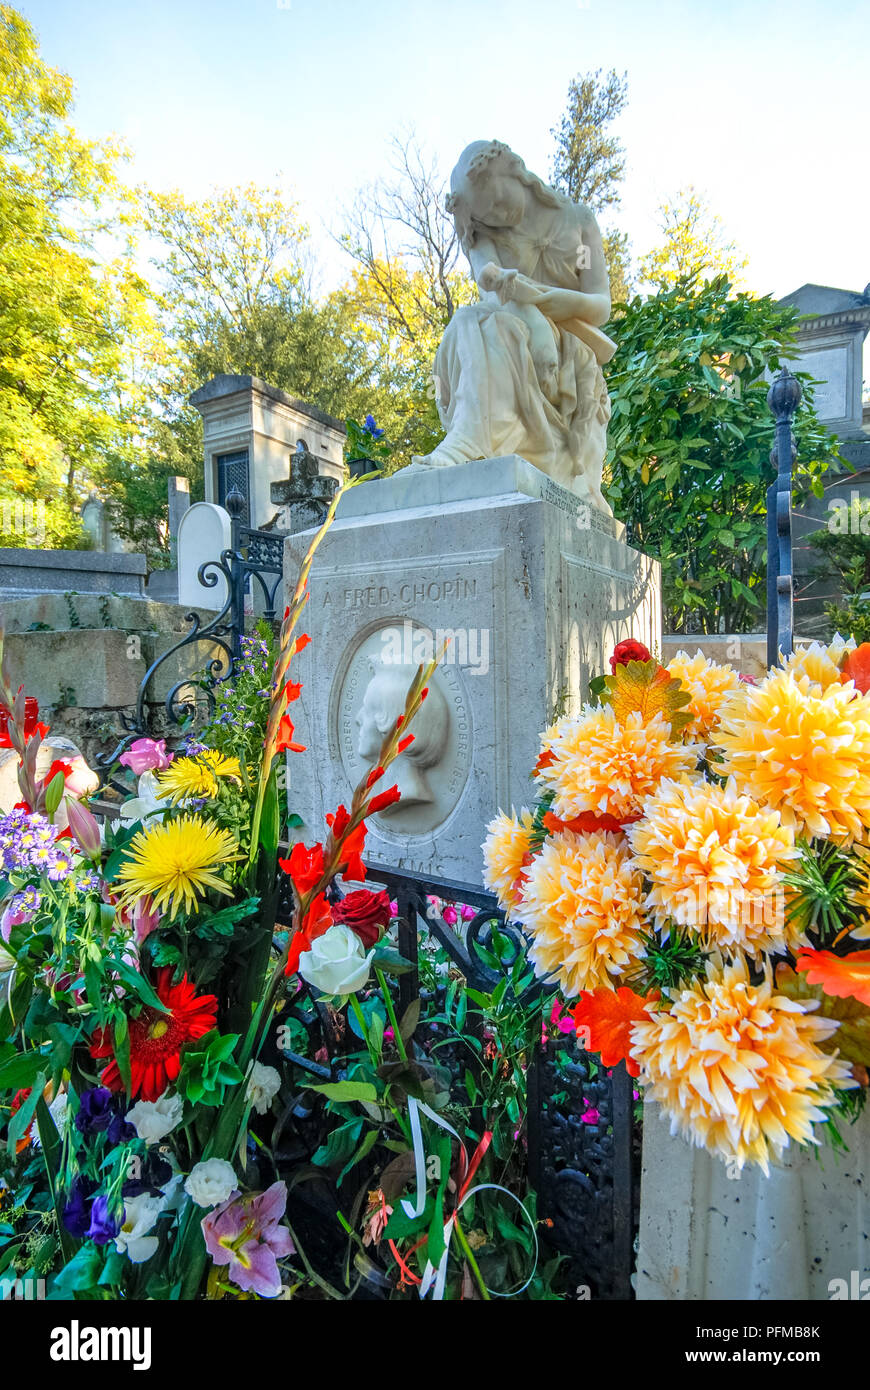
(432, 1278)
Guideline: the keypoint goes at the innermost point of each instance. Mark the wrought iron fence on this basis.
(252, 564)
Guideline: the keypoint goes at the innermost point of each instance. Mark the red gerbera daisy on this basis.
(156, 1039)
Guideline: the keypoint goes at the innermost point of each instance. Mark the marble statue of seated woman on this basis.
(520, 371)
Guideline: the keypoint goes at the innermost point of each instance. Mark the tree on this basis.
(406, 285)
(695, 246)
(68, 317)
(589, 161)
(689, 443)
(235, 297)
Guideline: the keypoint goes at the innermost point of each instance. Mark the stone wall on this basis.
(84, 655)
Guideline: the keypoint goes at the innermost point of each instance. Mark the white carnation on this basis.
(211, 1182)
(264, 1084)
(154, 1119)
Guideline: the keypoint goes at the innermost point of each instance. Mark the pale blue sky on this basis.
(762, 105)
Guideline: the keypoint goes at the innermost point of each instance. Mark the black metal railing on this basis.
(253, 563)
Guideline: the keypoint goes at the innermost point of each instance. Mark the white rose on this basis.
(337, 962)
(154, 1119)
(264, 1084)
(211, 1182)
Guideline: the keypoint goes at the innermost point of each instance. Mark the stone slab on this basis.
(482, 479)
(25, 572)
(705, 1235)
(535, 600)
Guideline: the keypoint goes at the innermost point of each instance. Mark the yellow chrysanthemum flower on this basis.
(821, 664)
(803, 752)
(174, 863)
(715, 861)
(196, 776)
(738, 1067)
(710, 686)
(581, 906)
(592, 763)
(508, 840)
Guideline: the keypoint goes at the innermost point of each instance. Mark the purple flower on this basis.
(369, 427)
(76, 1213)
(22, 908)
(245, 1234)
(95, 1112)
(104, 1226)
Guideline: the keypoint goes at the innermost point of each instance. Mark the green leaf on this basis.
(346, 1090)
(365, 1147)
(23, 1117)
(223, 923)
(21, 1070)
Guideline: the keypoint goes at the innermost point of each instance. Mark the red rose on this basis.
(629, 650)
(366, 913)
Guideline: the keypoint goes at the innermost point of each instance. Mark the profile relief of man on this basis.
(383, 702)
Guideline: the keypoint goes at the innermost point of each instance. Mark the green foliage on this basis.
(589, 162)
(670, 963)
(820, 889)
(68, 318)
(694, 246)
(689, 444)
(208, 1068)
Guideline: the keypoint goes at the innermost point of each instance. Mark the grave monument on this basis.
(499, 541)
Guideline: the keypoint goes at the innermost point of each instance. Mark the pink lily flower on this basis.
(245, 1233)
(146, 755)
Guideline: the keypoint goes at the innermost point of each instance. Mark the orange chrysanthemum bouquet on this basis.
(695, 874)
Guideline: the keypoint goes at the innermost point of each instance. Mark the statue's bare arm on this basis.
(591, 302)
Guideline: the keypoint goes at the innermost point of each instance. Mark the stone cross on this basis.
(303, 497)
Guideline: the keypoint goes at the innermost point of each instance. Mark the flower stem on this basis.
(397, 1034)
(472, 1262)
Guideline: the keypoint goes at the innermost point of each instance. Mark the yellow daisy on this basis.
(710, 686)
(582, 908)
(196, 776)
(737, 1067)
(175, 863)
(508, 841)
(803, 752)
(592, 763)
(821, 664)
(715, 862)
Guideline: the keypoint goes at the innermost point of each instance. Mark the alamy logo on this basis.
(854, 1288)
(26, 1290)
(75, 1343)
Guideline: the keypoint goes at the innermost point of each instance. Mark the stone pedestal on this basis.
(802, 1233)
(534, 590)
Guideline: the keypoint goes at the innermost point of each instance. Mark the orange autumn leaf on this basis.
(856, 667)
(838, 975)
(606, 1017)
(647, 687)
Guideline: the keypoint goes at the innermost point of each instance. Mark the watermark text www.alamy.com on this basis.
(77, 1343)
(408, 645)
(23, 520)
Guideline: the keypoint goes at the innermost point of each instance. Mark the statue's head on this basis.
(488, 189)
(384, 701)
